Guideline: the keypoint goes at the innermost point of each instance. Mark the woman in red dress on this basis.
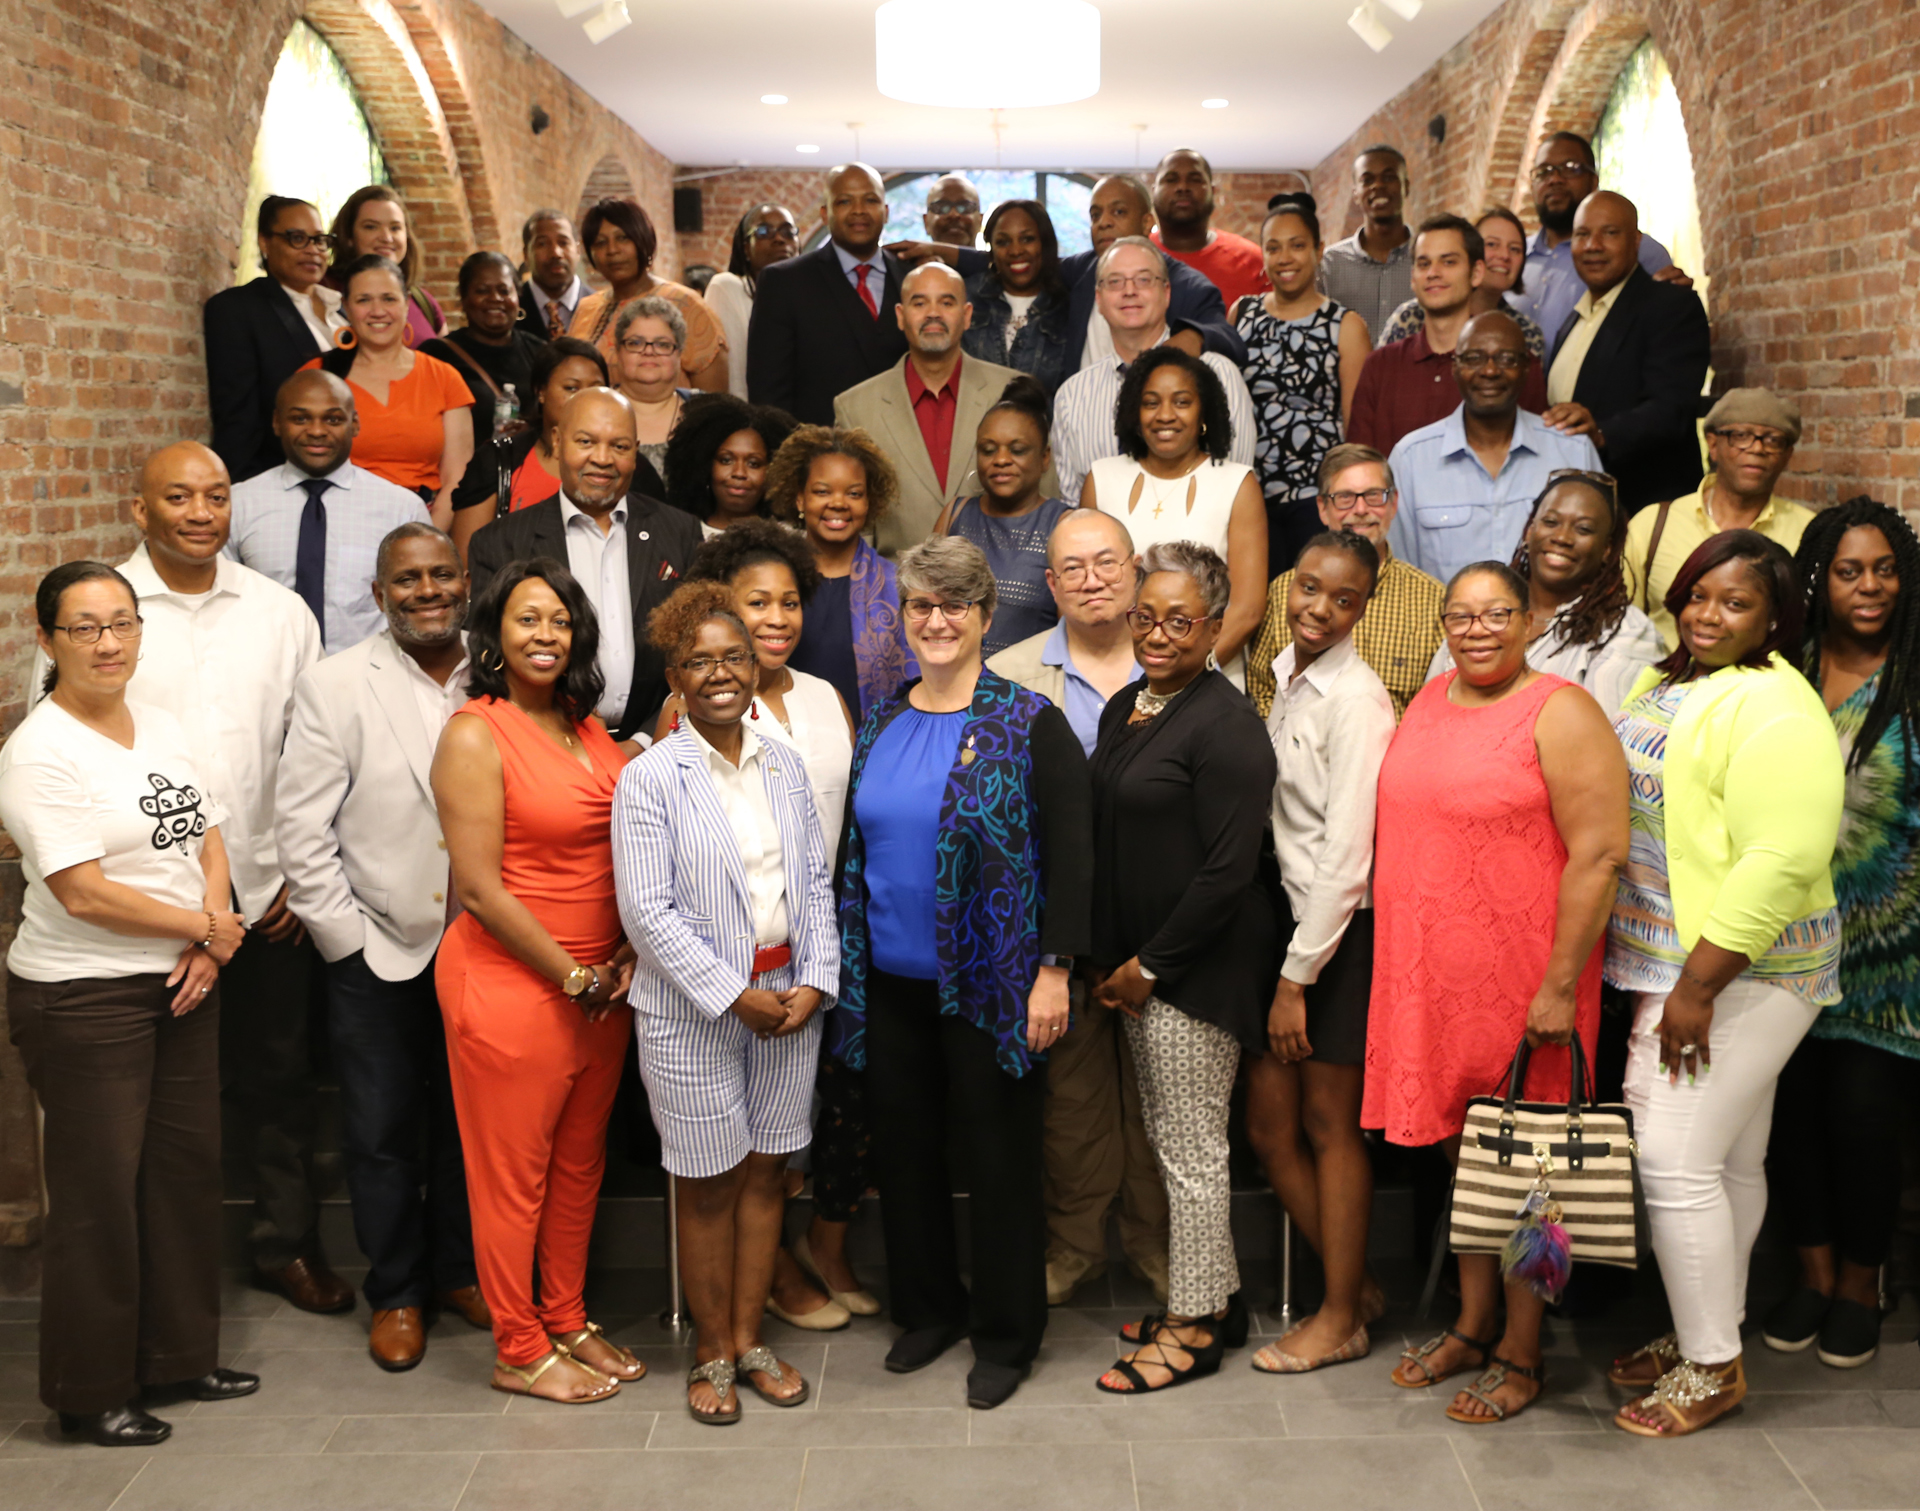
(1502, 824)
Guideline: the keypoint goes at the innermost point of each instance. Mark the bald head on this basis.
(184, 510)
(1606, 240)
(1090, 569)
(314, 418)
(1119, 206)
(597, 451)
(854, 207)
(933, 310)
(953, 210)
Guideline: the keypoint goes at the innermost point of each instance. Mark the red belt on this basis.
(771, 957)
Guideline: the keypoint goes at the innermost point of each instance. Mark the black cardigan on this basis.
(1179, 808)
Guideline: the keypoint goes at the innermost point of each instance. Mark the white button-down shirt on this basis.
(361, 508)
(323, 328)
(1330, 728)
(742, 791)
(438, 702)
(599, 562)
(1083, 430)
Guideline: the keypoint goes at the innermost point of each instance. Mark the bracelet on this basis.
(212, 924)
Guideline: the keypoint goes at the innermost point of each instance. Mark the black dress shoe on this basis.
(123, 1427)
(989, 1384)
(919, 1348)
(221, 1385)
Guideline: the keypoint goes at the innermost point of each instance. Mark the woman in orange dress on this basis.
(621, 241)
(532, 976)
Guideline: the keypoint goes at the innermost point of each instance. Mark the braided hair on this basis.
(1594, 616)
(1898, 696)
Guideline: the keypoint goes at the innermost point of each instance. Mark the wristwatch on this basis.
(1065, 962)
(579, 981)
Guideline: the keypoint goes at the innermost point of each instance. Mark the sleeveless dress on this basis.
(1466, 885)
(1293, 374)
(1016, 552)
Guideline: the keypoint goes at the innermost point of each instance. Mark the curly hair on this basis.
(630, 218)
(581, 684)
(651, 307)
(1898, 696)
(1596, 611)
(705, 423)
(751, 543)
(673, 626)
(787, 473)
(1202, 564)
(1216, 420)
(1770, 566)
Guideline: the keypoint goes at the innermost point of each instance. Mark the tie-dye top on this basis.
(1644, 952)
(1876, 877)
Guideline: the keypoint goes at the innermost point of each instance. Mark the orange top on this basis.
(594, 321)
(532, 484)
(402, 439)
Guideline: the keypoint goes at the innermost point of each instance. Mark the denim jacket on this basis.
(1044, 347)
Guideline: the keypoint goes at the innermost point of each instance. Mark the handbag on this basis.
(1540, 1176)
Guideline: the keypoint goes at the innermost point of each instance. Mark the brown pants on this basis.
(130, 1289)
(1096, 1145)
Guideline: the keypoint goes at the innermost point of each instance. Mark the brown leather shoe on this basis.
(469, 1303)
(399, 1338)
(309, 1285)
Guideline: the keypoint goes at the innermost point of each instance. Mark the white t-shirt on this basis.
(1022, 306)
(68, 795)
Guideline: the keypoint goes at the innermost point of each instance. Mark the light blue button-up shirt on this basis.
(1554, 287)
(1452, 513)
(876, 280)
(1085, 702)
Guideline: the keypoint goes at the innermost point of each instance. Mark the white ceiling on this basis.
(688, 76)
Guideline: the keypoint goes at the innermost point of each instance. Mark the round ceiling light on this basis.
(924, 57)
(773, 99)
(1214, 104)
(807, 147)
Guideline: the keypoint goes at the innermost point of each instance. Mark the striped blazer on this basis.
(683, 889)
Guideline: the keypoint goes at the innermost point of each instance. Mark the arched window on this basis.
(1641, 149)
(315, 142)
(1064, 194)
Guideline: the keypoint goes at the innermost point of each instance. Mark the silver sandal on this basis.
(760, 1360)
(719, 1374)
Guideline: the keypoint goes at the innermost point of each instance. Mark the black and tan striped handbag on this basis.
(1579, 1157)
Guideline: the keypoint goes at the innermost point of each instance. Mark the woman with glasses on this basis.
(113, 1002)
(963, 909)
(766, 234)
(621, 241)
(1506, 243)
(1502, 822)
(1579, 623)
(1183, 937)
(374, 223)
(726, 892)
(1173, 481)
(649, 337)
(1304, 354)
(1019, 302)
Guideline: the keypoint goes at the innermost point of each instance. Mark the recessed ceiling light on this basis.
(773, 99)
(807, 147)
(1213, 104)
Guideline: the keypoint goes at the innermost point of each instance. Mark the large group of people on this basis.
(936, 700)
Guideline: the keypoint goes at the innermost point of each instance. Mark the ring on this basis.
(1689, 1049)
(204, 990)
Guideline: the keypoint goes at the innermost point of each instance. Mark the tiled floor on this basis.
(330, 1432)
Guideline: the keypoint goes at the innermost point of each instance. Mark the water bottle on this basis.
(506, 424)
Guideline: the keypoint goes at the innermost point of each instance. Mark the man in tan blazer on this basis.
(924, 410)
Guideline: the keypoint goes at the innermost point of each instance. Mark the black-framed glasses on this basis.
(1571, 168)
(1459, 622)
(1346, 501)
(301, 240)
(1766, 442)
(642, 348)
(1174, 626)
(89, 632)
(920, 610)
(1606, 482)
(703, 666)
(1473, 361)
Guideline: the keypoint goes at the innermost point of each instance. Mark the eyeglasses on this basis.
(1175, 626)
(920, 610)
(702, 666)
(953, 207)
(1458, 624)
(1766, 442)
(301, 240)
(1105, 568)
(89, 633)
(1606, 482)
(1571, 168)
(650, 348)
(1346, 503)
(1115, 283)
(1507, 362)
(764, 233)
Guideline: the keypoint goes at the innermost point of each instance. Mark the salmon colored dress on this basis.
(533, 1080)
(1467, 865)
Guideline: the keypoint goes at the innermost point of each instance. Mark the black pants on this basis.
(841, 1143)
(930, 1077)
(130, 1288)
(398, 1133)
(267, 1092)
(1833, 1159)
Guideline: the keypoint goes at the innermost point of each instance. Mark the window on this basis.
(315, 142)
(1064, 194)
(1641, 149)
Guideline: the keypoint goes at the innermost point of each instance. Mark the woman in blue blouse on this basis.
(965, 901)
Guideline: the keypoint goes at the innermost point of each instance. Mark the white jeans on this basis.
(1703, 1150)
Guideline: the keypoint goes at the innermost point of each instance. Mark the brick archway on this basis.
(1571, 90)
(608, 179)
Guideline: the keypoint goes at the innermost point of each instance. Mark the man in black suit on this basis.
(259, 334)
(627, 550)
(553, 289)
(1627, 366)
(824, 321)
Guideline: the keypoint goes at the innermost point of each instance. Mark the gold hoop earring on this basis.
(497, 657)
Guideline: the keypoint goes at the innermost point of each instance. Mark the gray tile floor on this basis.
(329, 1432)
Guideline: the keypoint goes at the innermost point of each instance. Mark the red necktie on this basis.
(866, 294)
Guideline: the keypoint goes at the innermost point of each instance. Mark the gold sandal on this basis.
(527, 1376)
(1668, 1411)
(630, 1368)
(1664, 1352)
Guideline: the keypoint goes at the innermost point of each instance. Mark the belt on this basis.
(770, 957)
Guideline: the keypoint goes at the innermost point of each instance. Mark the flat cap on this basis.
(1755, 406)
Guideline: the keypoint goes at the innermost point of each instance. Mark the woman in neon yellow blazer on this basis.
(1724, 929)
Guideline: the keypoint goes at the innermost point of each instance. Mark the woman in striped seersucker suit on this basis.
(725, 888)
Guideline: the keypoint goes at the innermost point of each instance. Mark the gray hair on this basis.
(652, 307)
(413, 529)
(1145, 244)
(951, 568)
(1191, 559)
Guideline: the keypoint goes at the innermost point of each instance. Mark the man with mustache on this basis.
(367, 874)
(925, 409)
(553, 288)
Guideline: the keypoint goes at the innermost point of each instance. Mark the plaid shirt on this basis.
(1397, 636)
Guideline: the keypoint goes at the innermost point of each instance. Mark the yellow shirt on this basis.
(1589, 314)
(1397, 635)
(1688, 524)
